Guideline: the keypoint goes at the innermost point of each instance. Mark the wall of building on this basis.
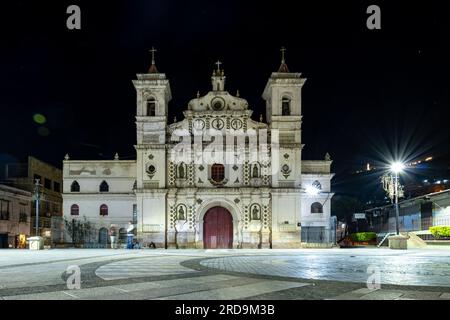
(15, 218)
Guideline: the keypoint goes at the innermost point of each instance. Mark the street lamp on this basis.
(312, 190)
(37, 198)
(396, 168)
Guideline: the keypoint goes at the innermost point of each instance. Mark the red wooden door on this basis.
(218, 229)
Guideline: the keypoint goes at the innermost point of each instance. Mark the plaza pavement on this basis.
(226, 274)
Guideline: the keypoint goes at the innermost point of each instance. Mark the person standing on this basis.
(130, 235)
(113, 236)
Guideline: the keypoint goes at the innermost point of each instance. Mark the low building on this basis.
(15, 210)
(23, 175)
(415, 214)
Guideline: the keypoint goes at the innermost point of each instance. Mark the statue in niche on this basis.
(255, 213)
(181, 172)
(255, 171)
(181, 213)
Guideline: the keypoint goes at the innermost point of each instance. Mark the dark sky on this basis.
(370, 95)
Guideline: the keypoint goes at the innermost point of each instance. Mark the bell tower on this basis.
(218, 78)
(283, 111)
(153, 95)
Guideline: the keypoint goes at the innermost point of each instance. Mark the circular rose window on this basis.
(217, 104)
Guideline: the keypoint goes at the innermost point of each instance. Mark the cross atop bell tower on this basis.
(152, 68)
(283, 67)
(218, 65)
(218, 78)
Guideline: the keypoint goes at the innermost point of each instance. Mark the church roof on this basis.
(283, 68)
(153, 69)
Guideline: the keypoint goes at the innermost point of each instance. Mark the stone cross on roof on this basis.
(153, 66)
(218, 65)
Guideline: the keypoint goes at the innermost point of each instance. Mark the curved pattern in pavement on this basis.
(399, 270)
(142, 267)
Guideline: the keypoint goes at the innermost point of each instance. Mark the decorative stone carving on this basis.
(218, 183)
(199, 124)
(255, 212)
(218, 124)
(151, 170)
(181, 212)
(236, 124)
(286, 171)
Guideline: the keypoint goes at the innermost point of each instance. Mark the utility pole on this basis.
(396, 202)
(37, 197)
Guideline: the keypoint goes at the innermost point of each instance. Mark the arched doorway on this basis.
(103, 236)
(218, 229)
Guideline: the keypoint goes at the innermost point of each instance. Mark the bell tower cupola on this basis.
(218, 78)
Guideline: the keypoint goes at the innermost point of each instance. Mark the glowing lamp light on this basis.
(397, 167)
(311, 190)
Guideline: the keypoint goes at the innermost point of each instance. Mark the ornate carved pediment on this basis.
(217, 101)
(218, 184)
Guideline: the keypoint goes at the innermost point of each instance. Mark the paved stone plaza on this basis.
(226, 274)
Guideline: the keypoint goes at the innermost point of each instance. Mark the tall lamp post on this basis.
(396, 169)
(37, 198)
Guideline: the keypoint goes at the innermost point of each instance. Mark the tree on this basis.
(344, 206)
(78, 230)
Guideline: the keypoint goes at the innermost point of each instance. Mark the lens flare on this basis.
(39, 118)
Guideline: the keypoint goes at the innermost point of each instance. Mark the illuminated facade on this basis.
(253, 203)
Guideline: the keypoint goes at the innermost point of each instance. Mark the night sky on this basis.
(370, 95)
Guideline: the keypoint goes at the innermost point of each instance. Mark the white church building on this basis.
(216, 179)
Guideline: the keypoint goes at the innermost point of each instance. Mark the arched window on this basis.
(74, 210)
(217, 172)
(104, 186)
(316, 184)
(285, 106)
(316, 207)
(75, 187)
(103, 210)
(151, 107)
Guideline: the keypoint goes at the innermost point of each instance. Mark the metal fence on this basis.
(407, 224)
(82, 233)
(318, 235)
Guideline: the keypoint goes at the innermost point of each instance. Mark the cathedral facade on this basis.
(216, 179)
